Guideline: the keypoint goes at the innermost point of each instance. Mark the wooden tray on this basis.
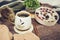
(44, 32)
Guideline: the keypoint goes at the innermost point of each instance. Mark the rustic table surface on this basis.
(43, 32)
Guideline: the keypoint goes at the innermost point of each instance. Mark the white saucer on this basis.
(23, 32)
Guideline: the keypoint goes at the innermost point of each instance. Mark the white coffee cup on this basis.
(22, 20)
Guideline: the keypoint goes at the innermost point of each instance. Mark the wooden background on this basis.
(43, 32)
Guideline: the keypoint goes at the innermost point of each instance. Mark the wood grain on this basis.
(44, 32)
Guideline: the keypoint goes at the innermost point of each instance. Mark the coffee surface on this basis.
(23, 15)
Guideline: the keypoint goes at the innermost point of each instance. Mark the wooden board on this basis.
(44, 32)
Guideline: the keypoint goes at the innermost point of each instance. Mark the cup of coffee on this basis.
(22, 20)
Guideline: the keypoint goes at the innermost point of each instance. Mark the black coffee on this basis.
(23, 15)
